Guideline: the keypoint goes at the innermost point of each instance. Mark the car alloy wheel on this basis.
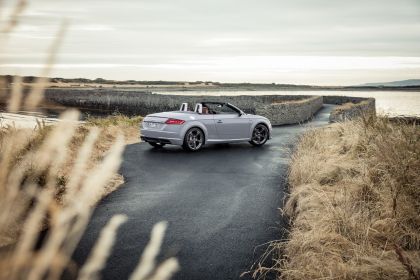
(194, 139)
(259, 135)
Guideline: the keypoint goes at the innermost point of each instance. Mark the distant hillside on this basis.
(404, 83)
(408, 85)
(99, 81)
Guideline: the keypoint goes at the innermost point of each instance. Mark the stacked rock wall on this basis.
(279, 109)
(291, 112)
(350, 107)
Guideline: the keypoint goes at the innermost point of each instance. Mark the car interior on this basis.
(210, 108)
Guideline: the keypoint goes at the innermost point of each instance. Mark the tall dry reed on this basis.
(30, 183)
(38, 231)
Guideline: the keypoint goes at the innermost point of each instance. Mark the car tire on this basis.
(260, 135)
(156, 145)
(193, 139)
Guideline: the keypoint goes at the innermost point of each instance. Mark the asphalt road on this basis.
(221, 204)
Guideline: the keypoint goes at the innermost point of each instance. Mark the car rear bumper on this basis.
(155, 140)
(163, 137)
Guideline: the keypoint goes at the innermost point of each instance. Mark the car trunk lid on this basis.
(164, 116)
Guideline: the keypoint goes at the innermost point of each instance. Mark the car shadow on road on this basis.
(211, 148)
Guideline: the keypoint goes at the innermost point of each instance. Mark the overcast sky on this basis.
(323, 42)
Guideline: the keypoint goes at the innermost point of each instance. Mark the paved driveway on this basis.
(221, 204)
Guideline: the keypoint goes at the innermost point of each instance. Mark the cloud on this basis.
(201, 37)
(91, 27)
(275, 63)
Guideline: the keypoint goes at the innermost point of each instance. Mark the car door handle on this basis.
(219, 121)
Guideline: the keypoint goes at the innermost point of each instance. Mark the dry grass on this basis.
(107, 130)
(354, 204)
(349, 111)
(347, 106)
(56, 162)
(50, 179)
(128, 126)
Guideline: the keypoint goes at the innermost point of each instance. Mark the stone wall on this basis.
(291, 112)
(350, 107)
(280, 109)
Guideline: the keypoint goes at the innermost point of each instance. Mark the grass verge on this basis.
(26, 158)
(348, 111)
(50, 180)
(354, 203)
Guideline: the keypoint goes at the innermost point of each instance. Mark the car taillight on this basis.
(174, 121)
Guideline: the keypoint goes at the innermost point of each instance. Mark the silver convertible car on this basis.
(209, 123)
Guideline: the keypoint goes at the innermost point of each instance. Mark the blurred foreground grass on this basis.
(52, 177)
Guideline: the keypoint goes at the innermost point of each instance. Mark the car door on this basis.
(208, 122)
(230, 125)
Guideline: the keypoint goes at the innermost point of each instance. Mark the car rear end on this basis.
(164, 128)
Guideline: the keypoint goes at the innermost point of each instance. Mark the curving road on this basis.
(221, 204)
